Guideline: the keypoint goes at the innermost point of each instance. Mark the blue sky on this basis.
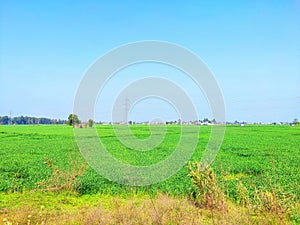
(252, 47)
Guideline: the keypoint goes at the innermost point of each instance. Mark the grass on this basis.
(260, 156)
(69, 208)
(43, 176)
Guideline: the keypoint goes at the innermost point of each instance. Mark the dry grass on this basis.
(162, 209)
(207, 193)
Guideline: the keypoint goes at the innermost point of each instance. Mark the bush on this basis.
(206, 193)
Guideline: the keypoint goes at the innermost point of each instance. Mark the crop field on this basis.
(46, 158)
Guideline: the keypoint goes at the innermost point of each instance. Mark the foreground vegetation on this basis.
(254, 179)
(70, 208)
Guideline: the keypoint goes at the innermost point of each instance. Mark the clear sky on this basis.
(252, 47)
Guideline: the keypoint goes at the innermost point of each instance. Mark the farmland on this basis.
(43, 158)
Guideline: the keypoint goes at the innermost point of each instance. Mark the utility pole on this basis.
(9, 121)
(127, 107)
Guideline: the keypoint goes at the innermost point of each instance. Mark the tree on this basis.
(73, 120)
(91, 122)
(206, 120)
(4, 120)
(296, 122)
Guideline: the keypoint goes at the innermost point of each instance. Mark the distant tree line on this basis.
(73, 120)
(5, 120)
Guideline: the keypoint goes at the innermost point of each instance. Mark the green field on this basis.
(263, 157)
(260, 156)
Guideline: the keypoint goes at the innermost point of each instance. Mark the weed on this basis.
(61, 180)
(206, 192)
